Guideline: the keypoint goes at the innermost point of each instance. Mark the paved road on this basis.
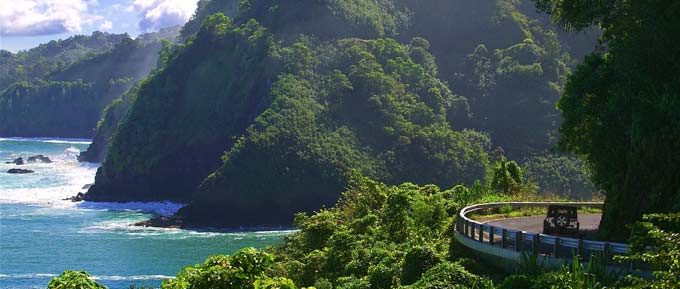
(589, 223)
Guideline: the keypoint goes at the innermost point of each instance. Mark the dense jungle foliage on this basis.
(46, 108)
(620, 105)
(357, 105)
(379, 236)
(67, 98)
(293, 96)
(506, 59)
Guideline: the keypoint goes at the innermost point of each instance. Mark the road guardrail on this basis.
(509, 243)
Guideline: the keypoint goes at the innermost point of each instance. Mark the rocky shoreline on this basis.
(171, 222)
(30, 160)
(179, 220)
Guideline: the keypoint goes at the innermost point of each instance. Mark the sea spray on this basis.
(43, 235)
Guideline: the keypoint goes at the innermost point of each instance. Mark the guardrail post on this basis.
(556, 248)
(472, 231)
(605, 253)
(518, 241)
(481, 233)
(580, 249)
(504, 238)
(491, 232)
(536, 243)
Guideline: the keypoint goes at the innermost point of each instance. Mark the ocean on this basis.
(41, 235)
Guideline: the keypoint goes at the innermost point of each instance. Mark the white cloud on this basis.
(42, 17)
(105, 26)
(156, 14)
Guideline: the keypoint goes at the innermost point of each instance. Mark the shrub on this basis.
(227, 272)
(450, 275)
(74, 280)
(382, 276)
(274, 283)
(416, 262)
(516, 282)
(661, 233)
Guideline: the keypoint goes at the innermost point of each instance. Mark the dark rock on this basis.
(18, 161)
(162, 222)
(87, 187)
(39, 158)
(77, 198)
(19, 171)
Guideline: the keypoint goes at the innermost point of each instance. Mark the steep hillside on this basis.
(187, 114)
(27, 109)
(508, 60)
(372, 120)
(28, 106)
(292, 101)
(110, 118)
(349, 105)
(206, 8)
(161, 43)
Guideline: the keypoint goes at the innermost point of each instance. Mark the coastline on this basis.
(177, 222)
(36, 219)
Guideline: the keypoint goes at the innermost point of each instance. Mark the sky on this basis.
(26, 23)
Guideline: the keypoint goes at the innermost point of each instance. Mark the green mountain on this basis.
(271, 109)
(37, 62)
(68, 101)
(504, 57)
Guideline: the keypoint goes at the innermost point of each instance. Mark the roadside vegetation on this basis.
(379, 236)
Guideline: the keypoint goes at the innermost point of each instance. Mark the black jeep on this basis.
(561, 220)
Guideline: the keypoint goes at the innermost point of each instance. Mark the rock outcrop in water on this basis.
(17, 161)
(39, 158)
(77, 198)
(19, 171)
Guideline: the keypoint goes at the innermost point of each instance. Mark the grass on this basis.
(509, 212)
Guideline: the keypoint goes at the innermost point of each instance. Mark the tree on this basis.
(620, 106)
(244, 270)
(661, 233)
(507, 177)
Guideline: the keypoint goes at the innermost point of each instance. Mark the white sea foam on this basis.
(156, 208)
(49, 140)
(127, 227)
(49, 185)
(63, 178)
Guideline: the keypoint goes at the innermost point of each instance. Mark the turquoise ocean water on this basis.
(42, 235)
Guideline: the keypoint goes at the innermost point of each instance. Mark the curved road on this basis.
(588, 223)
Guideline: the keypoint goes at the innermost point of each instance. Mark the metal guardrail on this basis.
(537, 243)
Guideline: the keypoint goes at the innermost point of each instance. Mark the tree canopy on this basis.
(620, 106)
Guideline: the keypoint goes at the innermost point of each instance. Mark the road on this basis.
(589, 223)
